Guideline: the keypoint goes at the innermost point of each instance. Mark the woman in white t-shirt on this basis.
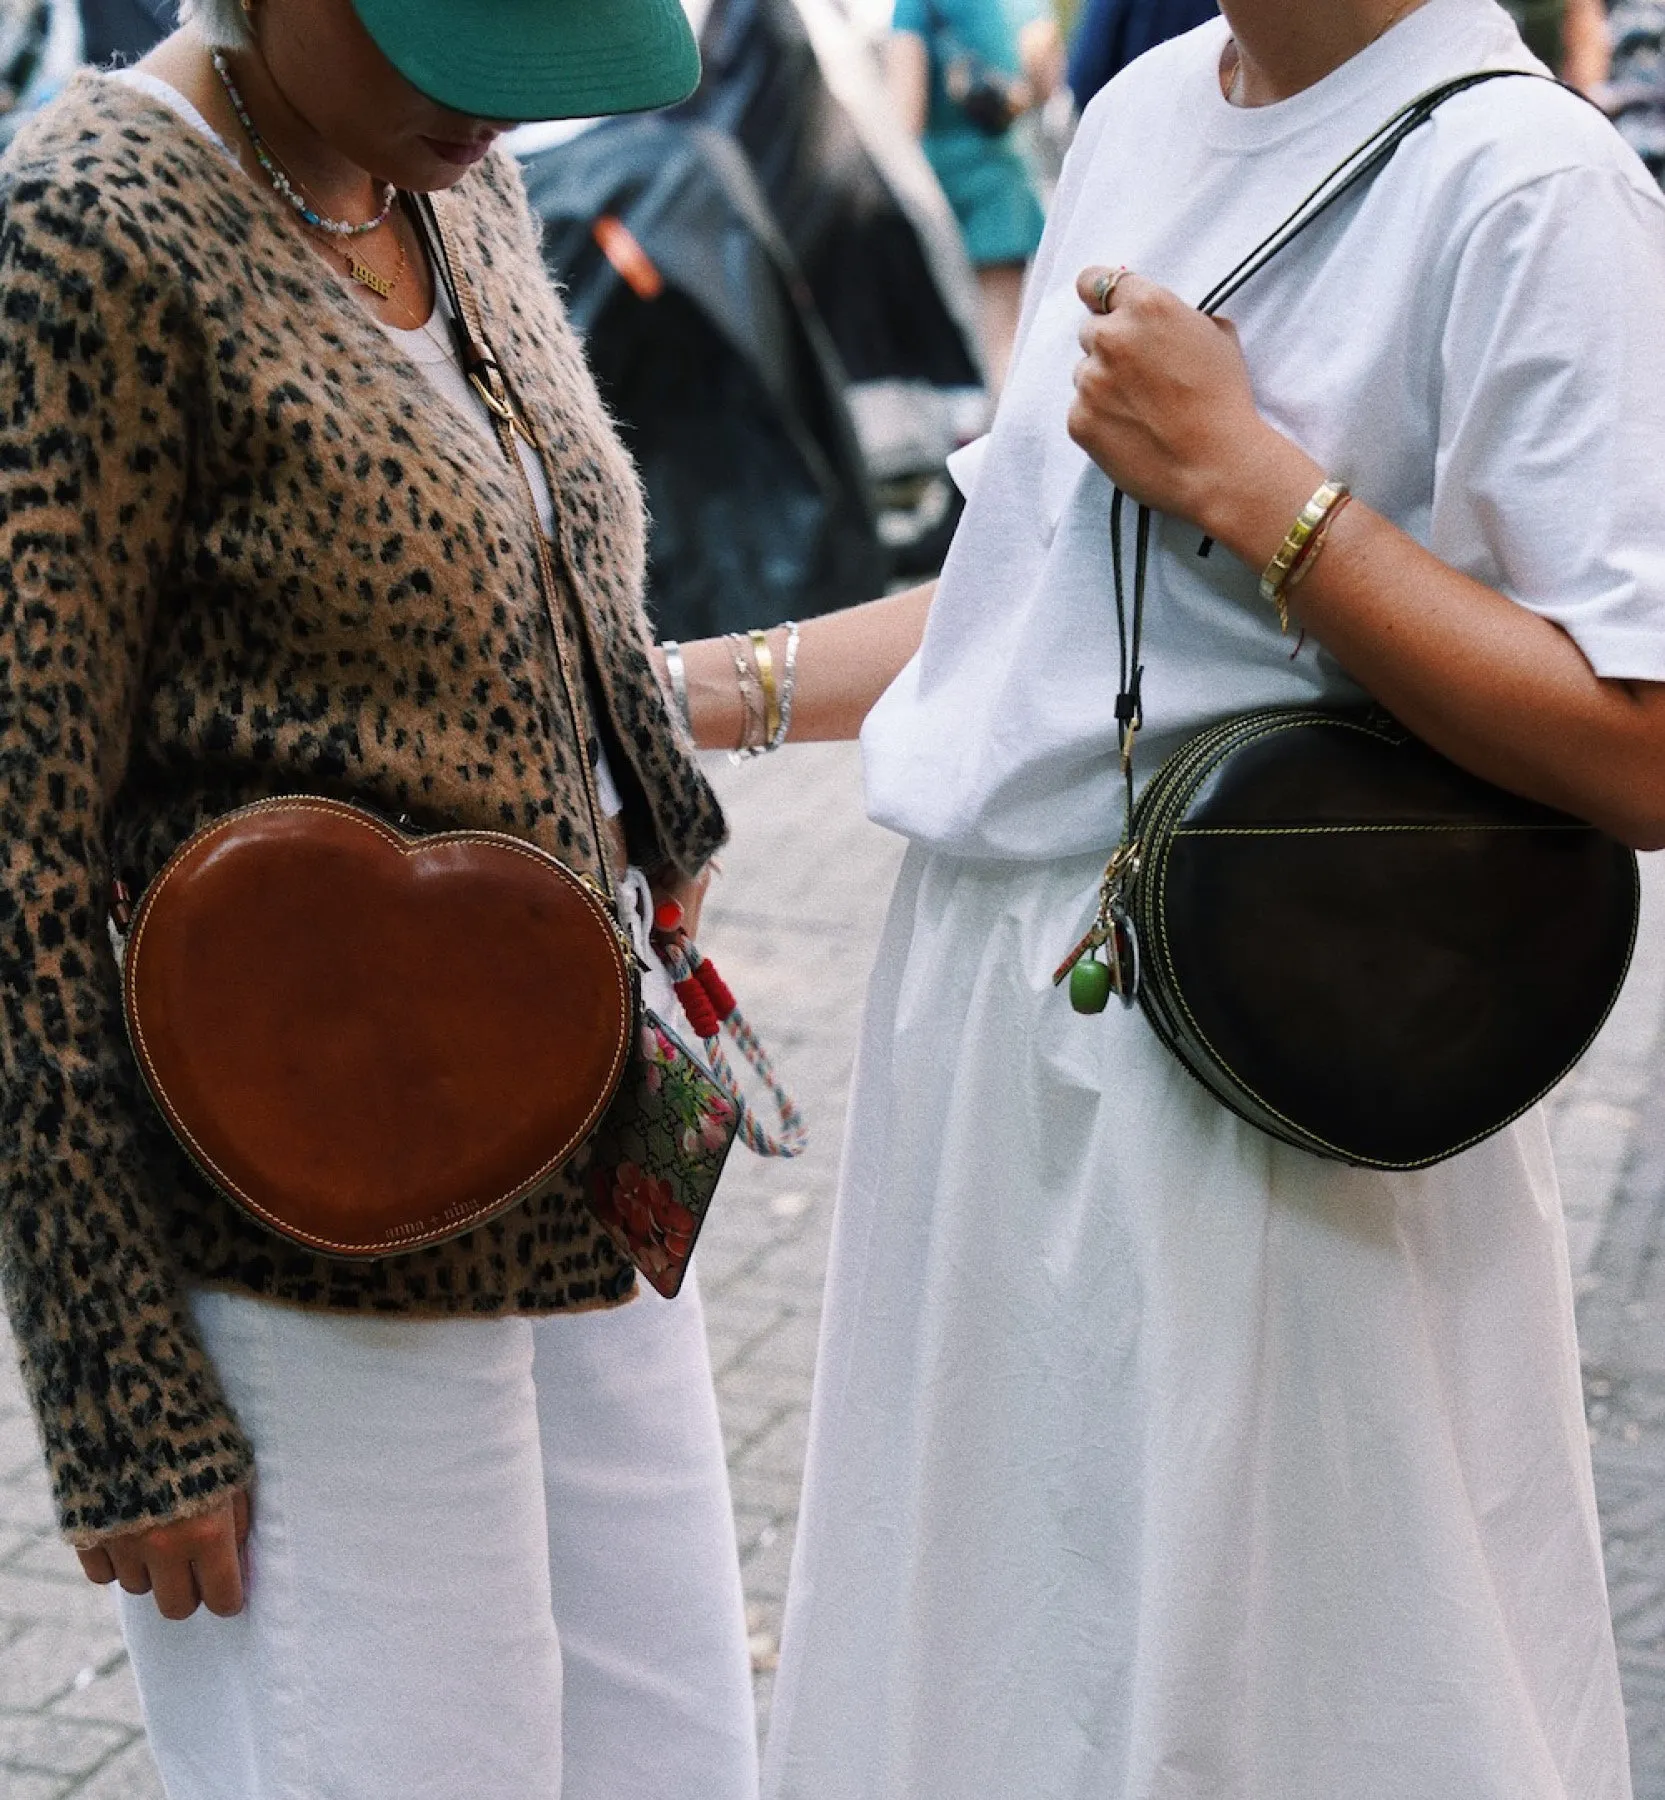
(1152, 1459)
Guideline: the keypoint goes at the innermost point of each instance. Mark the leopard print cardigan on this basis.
(245, 550)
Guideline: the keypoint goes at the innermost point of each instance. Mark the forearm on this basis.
(1494, 686)
(846, 660)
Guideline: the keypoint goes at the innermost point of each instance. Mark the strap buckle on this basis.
(487, 381)
(1130, 716)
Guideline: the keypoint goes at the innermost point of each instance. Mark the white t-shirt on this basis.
(433, 348)
(1476, 343)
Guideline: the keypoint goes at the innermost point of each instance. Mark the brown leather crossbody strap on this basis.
(485, 375)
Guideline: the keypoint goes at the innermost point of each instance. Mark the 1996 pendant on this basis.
(367, 277)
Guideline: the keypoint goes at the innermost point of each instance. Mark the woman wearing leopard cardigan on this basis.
(255, 537)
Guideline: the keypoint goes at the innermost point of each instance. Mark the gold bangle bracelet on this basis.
(1313, 520)
(1315, 545)
(765, 661)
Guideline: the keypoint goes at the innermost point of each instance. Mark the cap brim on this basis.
(539, 59)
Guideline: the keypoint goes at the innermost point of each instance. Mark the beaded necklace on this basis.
(279, 177)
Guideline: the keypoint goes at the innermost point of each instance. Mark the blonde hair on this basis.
(221, 23)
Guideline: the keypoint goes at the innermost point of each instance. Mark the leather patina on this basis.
(1355, 945)
(372, 1041)
(1362, 949)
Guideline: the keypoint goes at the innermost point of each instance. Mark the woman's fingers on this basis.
(198, 1564)
(1163, 402)
(218, 1568)
(186, 1563)
(131, 1566)
(174, 1584)
(687, 892)
(96, 1565)
(1099, 285)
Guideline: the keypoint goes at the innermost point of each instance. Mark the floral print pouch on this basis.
(657, 1156)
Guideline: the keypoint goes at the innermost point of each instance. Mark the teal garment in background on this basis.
(993, 200)
(979, 26)
(984, 178)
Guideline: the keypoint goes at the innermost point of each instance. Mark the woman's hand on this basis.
(188, 1563)
(1164, 406)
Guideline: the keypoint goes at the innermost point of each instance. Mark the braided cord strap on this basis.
(712, 1010)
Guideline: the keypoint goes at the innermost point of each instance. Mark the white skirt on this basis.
(1152, 1460)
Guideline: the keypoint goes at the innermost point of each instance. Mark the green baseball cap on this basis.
(539, 59)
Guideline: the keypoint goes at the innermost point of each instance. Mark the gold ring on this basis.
(1104, 289)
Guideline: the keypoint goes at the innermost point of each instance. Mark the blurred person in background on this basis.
(1111, 33)
(1569, 35)
(1635, 93)
(961, 74)
(40, 45)
(123, 30)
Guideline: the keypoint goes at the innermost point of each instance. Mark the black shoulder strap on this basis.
(1364, 163)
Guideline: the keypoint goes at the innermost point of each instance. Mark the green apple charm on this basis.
(1090, 985)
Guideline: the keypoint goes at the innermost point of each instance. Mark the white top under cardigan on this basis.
(1476, 344)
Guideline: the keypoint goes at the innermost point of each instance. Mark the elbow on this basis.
(1627, 781)
(1641, 809)
(1636, 820)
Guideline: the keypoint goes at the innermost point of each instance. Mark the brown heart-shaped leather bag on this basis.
(372, 1041)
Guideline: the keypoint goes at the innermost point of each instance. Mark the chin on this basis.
(430, 180)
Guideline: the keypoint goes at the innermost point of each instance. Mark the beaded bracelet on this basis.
(1301, 546)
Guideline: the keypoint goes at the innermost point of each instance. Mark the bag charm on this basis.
(1092, 980)
(656, 1160)
(712, 1010)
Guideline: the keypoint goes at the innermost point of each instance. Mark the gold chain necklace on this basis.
(339, 235)
(1231, 66)
(383, 286)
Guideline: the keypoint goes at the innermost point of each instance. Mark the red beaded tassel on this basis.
(711, 1008)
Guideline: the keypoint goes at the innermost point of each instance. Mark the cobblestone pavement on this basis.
(792, 923)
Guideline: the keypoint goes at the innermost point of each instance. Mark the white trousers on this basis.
(491, 1560)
